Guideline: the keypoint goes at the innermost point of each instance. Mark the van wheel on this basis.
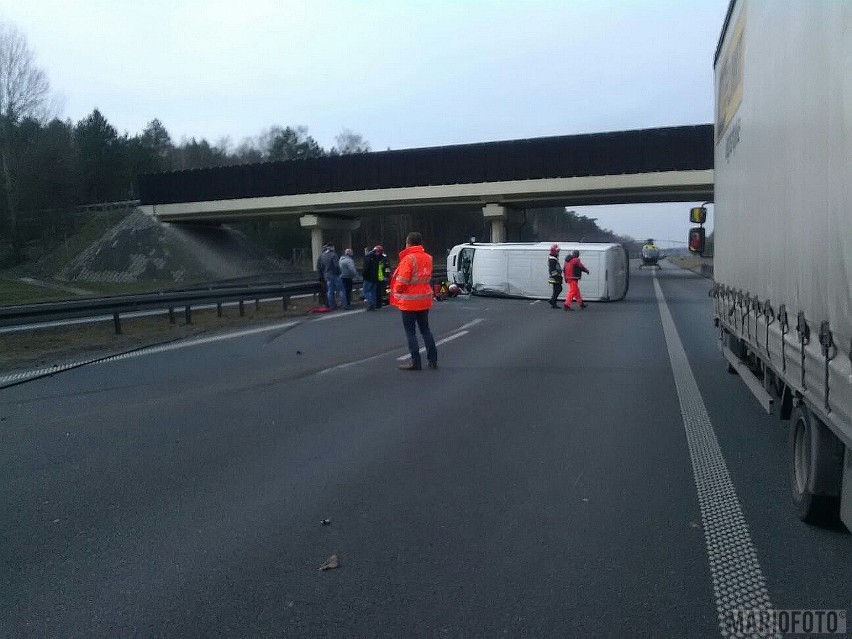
(816, 468)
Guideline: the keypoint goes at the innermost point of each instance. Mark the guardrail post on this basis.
(188, 314)
(219, 309)
(257, 304)
(171, 315)
(285, 302)
(117, 322)
(242, 309)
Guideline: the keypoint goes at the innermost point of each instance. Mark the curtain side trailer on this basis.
(783, 231)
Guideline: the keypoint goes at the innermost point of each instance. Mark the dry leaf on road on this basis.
(331, 563)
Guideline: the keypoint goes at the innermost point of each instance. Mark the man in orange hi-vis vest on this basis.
(411, 293)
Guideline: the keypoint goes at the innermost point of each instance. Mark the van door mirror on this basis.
(696, 240)
(698, 215)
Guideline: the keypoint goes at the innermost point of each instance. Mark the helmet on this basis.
(454, 289)
(554, 250)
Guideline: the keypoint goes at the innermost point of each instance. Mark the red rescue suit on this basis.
(573, 271)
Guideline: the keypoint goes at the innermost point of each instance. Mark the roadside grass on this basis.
(66, 250)
(108, 289)
(40, 348)
(16, 292)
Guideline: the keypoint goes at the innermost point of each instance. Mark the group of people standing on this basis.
(337, 273)
(410, 289)
(571, 273)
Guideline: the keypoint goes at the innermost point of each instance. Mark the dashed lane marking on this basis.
(459, 332)
(449, 338)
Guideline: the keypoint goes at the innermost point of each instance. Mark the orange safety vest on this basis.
(411, 285)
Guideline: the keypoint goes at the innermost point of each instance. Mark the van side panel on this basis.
(490, 272)
(528, 274)
(520, 270)
(593, 283)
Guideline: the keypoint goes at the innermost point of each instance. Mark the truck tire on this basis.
(816, 468)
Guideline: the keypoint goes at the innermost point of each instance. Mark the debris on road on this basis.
(325, 522)
(331, 563)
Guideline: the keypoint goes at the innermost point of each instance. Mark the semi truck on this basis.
(520, 269)
(783, 231)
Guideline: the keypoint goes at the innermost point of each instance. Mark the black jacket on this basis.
(371, 267)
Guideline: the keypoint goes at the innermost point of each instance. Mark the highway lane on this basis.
(539, 483)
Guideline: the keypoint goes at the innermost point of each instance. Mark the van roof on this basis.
(544, 246)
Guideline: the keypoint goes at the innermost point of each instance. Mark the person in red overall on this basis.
(573, 271)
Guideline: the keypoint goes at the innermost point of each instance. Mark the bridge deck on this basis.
(674, 150)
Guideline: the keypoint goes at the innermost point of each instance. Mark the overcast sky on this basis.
(401, 73)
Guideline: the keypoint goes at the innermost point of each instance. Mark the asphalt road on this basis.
(539, 483)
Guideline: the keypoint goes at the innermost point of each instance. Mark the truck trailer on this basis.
(520, 269)
(783, 231)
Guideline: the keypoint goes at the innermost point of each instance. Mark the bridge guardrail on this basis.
(26, 314)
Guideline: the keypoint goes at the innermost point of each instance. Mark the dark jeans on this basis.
(557, 289)
(421, 319)
(347, 287)
(370, 294)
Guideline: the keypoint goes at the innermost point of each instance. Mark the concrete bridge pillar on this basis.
(505, 222)
(316, 244)
(320, 223)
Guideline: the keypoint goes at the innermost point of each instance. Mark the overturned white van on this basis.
(520, 269)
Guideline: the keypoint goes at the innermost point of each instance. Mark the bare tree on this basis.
(23, 93)
(348, 142)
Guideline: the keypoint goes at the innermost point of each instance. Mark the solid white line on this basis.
(738, 582)
(338, 313)
(161, 348)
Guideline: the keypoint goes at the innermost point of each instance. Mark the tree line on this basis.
(50, 167)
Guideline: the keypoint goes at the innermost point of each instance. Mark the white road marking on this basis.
(470, 324)
(534, 303)
(450, 338)
(150, 350)
(461, 330)
(338, 313)
(738, 582)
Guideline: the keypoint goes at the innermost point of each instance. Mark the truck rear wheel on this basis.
(816, 468)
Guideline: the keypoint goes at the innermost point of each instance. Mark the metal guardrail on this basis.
(25, 314)
(121, 304)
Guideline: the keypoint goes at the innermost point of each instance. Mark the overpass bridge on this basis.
(673, 164)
